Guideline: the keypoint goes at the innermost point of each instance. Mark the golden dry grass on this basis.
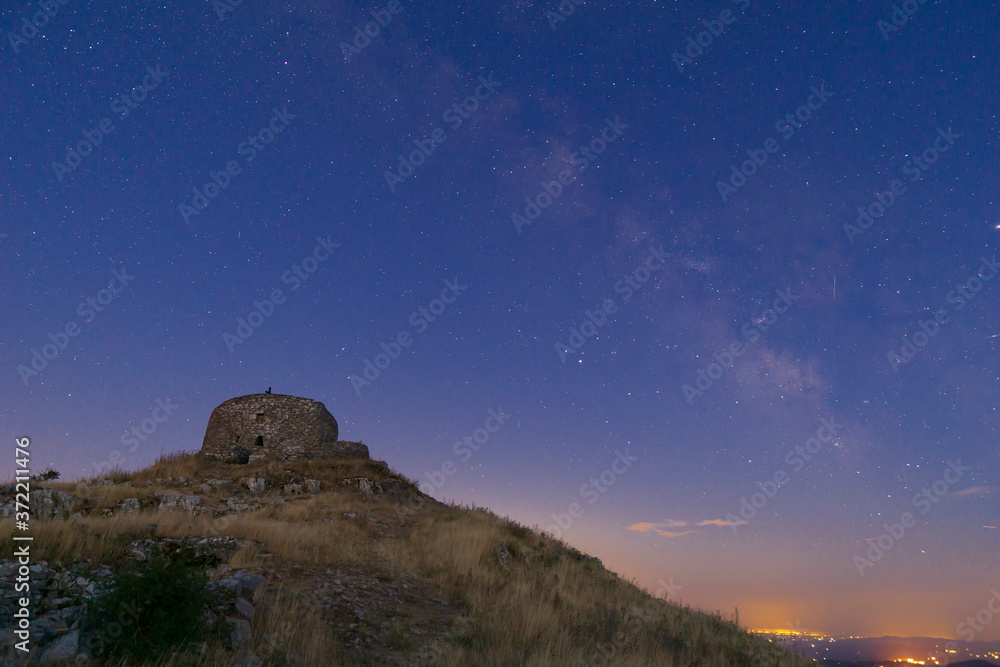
(547, 605)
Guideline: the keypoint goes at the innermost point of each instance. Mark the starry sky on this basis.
(705, 289)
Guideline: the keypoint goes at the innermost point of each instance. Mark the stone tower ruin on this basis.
(260, 427)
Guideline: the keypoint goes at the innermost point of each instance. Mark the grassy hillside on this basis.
(376, 573)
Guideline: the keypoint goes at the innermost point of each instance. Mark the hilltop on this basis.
(340, 562)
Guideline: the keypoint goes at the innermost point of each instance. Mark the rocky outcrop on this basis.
(60, 596)
(43, 504)
(210, 550)
(371, 487)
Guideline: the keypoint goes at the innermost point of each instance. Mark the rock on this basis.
(189, 504)
(63, 648)
(7, 641)
(213, 549)
(311, 485)
(503, 556)
(240, 636)
(244, 608)
(237, 505)
(228, 583)
(251, 583)
(290, 489)
(254, 484)
(128, 506)
(49, 625)
(42, 503)
(365, 485)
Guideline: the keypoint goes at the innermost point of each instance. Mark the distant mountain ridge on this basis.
(851, 651)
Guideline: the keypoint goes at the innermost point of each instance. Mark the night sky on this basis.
(706, 289)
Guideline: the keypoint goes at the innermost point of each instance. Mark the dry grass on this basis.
(547, 605)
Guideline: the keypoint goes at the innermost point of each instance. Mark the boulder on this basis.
(189, 504)
(251, 583)
(128, 506)
(63, 648)
(254, 484)
(244, 608)
(240, 635)
(364, 485)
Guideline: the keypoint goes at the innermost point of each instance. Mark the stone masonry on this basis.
(260, 427)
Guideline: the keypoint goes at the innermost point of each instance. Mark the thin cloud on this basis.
(974, 491)
(721, 522)
(663, 528)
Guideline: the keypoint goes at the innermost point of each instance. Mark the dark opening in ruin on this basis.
(260, 417)
(259, 441)
(241, 455)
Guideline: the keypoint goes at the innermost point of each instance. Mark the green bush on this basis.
(153, 610)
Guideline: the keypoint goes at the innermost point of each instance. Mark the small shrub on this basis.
(153, 610)
(517, 530)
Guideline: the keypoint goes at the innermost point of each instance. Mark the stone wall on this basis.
(260, 427)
